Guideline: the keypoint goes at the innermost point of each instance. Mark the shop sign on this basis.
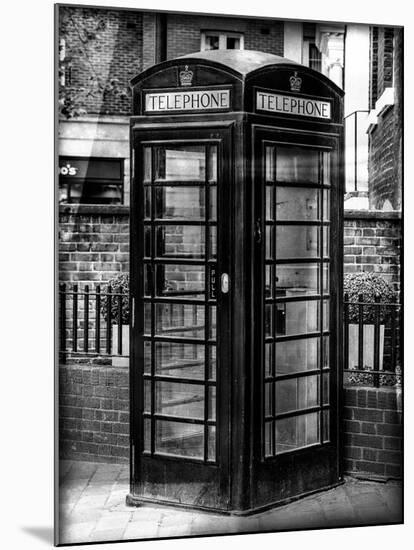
(291, 105)
(189, 100)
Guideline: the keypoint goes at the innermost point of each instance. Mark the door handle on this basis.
(225, 283)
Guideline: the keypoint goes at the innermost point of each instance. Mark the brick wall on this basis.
(184, 33)
(93, 243)
(94, 412)
(101, 45)
(372, 243)
(372, 430)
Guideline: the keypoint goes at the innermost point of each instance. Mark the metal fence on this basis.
(89, 321)
(372, 342)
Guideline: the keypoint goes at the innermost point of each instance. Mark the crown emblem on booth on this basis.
(186, 77)
(295, 82)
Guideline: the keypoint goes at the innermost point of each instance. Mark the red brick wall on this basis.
(372, 243)
(94, 412)
(102, 44)
(184, 33)
(372, 431)
(93, 243)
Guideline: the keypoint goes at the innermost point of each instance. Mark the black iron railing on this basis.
(89, 321)
(372, 342)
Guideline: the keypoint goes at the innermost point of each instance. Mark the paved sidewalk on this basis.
(93, 509)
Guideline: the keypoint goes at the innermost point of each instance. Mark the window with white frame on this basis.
(219, 40)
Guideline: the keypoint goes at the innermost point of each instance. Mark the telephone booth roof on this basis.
(244, 71)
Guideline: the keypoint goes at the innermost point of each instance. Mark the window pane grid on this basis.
(179, 387)
(300, 247)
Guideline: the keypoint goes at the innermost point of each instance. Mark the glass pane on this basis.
(326, 205)
(270, 213)
(325, 278)
(183, 241)
(212, 164)
(212, 367)
(270, 164)
(326, 394)
(179, 320)
(326, 315)
(270, 231)
(180, 163)
(147, 396)
(211, 42)
(147, 241)
(268, 438)
(186, 203)
(297, 279)
(176, 399)
(297, 317)
(179, 360)
(297, 393)
(297, 164)
(233, 43)
(147, 357)
(147, 164)
(326, 425)
(325, 230)
(268, 320)
(147, 435)
(181, 281)
(326, 352)
(297, 203)
(297, 241)
(268, 281)
(211, 446)
(147, 280)
(296, 432)
(213, 203)
(147, 202)
(268, 360)
(212, 403)
(268, 398)
(179, 439)
(147, 319)
(213, 323)
(297, 355)
(213, 242)
(326, 168)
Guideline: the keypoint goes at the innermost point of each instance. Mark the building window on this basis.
(90, 180)
(217, 40)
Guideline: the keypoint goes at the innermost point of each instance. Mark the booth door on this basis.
(299, 293)
(180, 286)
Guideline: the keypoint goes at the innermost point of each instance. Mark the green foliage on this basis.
(370, 286)
(118, 284)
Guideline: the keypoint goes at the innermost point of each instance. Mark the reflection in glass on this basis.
(269, 241)
(179, 360)
(185, 281)
(268, 281)
(297, 164)
(270, 163)
(186, 203)
(147, 357)
(325, 237)
(297, 204)
(147, 241)
(269, 203)
(147, 319)
(297, 355)
(268, 320)
(268, 359)
(180, 163)
(325, 363)
(179, 320)
(299, 317)
(212, 402)
(147, 164)
(326, 394)
(212, 362)
(213, 323)
(212, 163)
(326, 425)
(147, 435)
(213, 242)
(326, 205)
(297, 241)
(211, 447)
(179, 439)
(326, 315)
(147, 202)
(147, 396)
(325, 278)
(297, 393)
(213, 203)
(147, 280)
(297, 279)
(268, 398)
(178, 399)
(326, 168)
(268, 438)
(184, 241)
(296, 432)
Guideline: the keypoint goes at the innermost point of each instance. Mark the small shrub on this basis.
(370, 286)
(118, 284)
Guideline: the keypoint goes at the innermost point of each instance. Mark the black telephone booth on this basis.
(236, 270)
